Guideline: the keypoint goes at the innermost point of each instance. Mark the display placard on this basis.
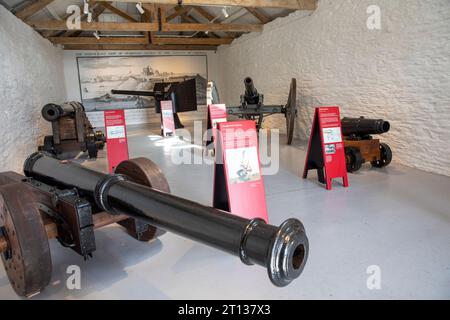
(217, 113)
(116, 137)
(326, 152)
(238, 181)
(167, 120)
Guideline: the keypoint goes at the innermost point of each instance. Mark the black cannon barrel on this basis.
(251, 94)
(283, 250)
(52, 112)
(362, 126)
(134, 93)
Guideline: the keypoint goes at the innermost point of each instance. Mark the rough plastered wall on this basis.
(400, 73)
(31, 75)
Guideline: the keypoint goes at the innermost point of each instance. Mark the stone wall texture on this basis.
(400, 73)
(31, 75)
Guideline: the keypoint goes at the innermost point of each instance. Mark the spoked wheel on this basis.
(353, 159)
(26, 254)
(147, 173)
(291, 111)
(385, 156)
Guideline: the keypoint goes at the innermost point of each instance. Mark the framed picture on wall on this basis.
(99, 75)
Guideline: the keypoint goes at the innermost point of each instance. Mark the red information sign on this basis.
(326, 147)
(116, 137)
(168, 123)
(216, 113)
(238, 181)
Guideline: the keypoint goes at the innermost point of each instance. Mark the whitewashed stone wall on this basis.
(400, 73)
(31, 75)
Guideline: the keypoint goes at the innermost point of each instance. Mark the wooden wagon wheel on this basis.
(26, 254)
(145, 172)
(291, 111)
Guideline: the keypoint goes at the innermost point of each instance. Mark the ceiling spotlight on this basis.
(139, 7)
(225, 12)
(86, 7)
(89, 17)
(96, 35)
(206, 32)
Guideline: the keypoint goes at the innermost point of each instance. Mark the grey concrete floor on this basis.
(396, 218)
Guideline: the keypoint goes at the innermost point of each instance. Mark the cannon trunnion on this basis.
(68, 202)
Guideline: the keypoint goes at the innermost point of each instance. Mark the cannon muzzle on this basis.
(251, 95)
(52, 112)
(282, 250)
(364, 127)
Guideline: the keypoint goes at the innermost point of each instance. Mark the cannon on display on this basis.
(72, 131)
(66, 201)
(252, 107)
(360, 147)
(182, 94)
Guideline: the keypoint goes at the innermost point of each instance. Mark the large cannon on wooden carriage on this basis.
(72, 131)
(66, 201)
(361, 147)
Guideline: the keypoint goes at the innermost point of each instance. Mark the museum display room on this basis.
(225, 150)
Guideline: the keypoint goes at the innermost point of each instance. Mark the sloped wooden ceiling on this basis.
(162, 24)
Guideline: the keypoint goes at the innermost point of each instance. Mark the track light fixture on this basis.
(139, 7)
(96, 35)
(225, 12)
(86, 7)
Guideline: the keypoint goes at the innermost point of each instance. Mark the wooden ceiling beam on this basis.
(281, 4)
(258, 14)
(103, 40)
(135, 47)
(140, 40)
(33, 8)
(193, 41)
(142, 26)
(117, 11)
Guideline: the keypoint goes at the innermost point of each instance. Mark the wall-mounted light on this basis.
(89, 17)
(86, 7)
(96, 35)
(139, 7)
(225, 12)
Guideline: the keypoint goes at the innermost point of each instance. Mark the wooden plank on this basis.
(33, 8)
(117, 11)
(258, 14)
(142, 26)
(196, 41)
(282, 4)
(136, 47)
(178, 12)
(103, 40)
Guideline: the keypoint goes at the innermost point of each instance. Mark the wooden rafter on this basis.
(208, 16)
(135, 47)
(103, 40)
(282, 4)
(117, 11)
(258, 14)
(142, 26)
(33, 8)
(140, 40)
